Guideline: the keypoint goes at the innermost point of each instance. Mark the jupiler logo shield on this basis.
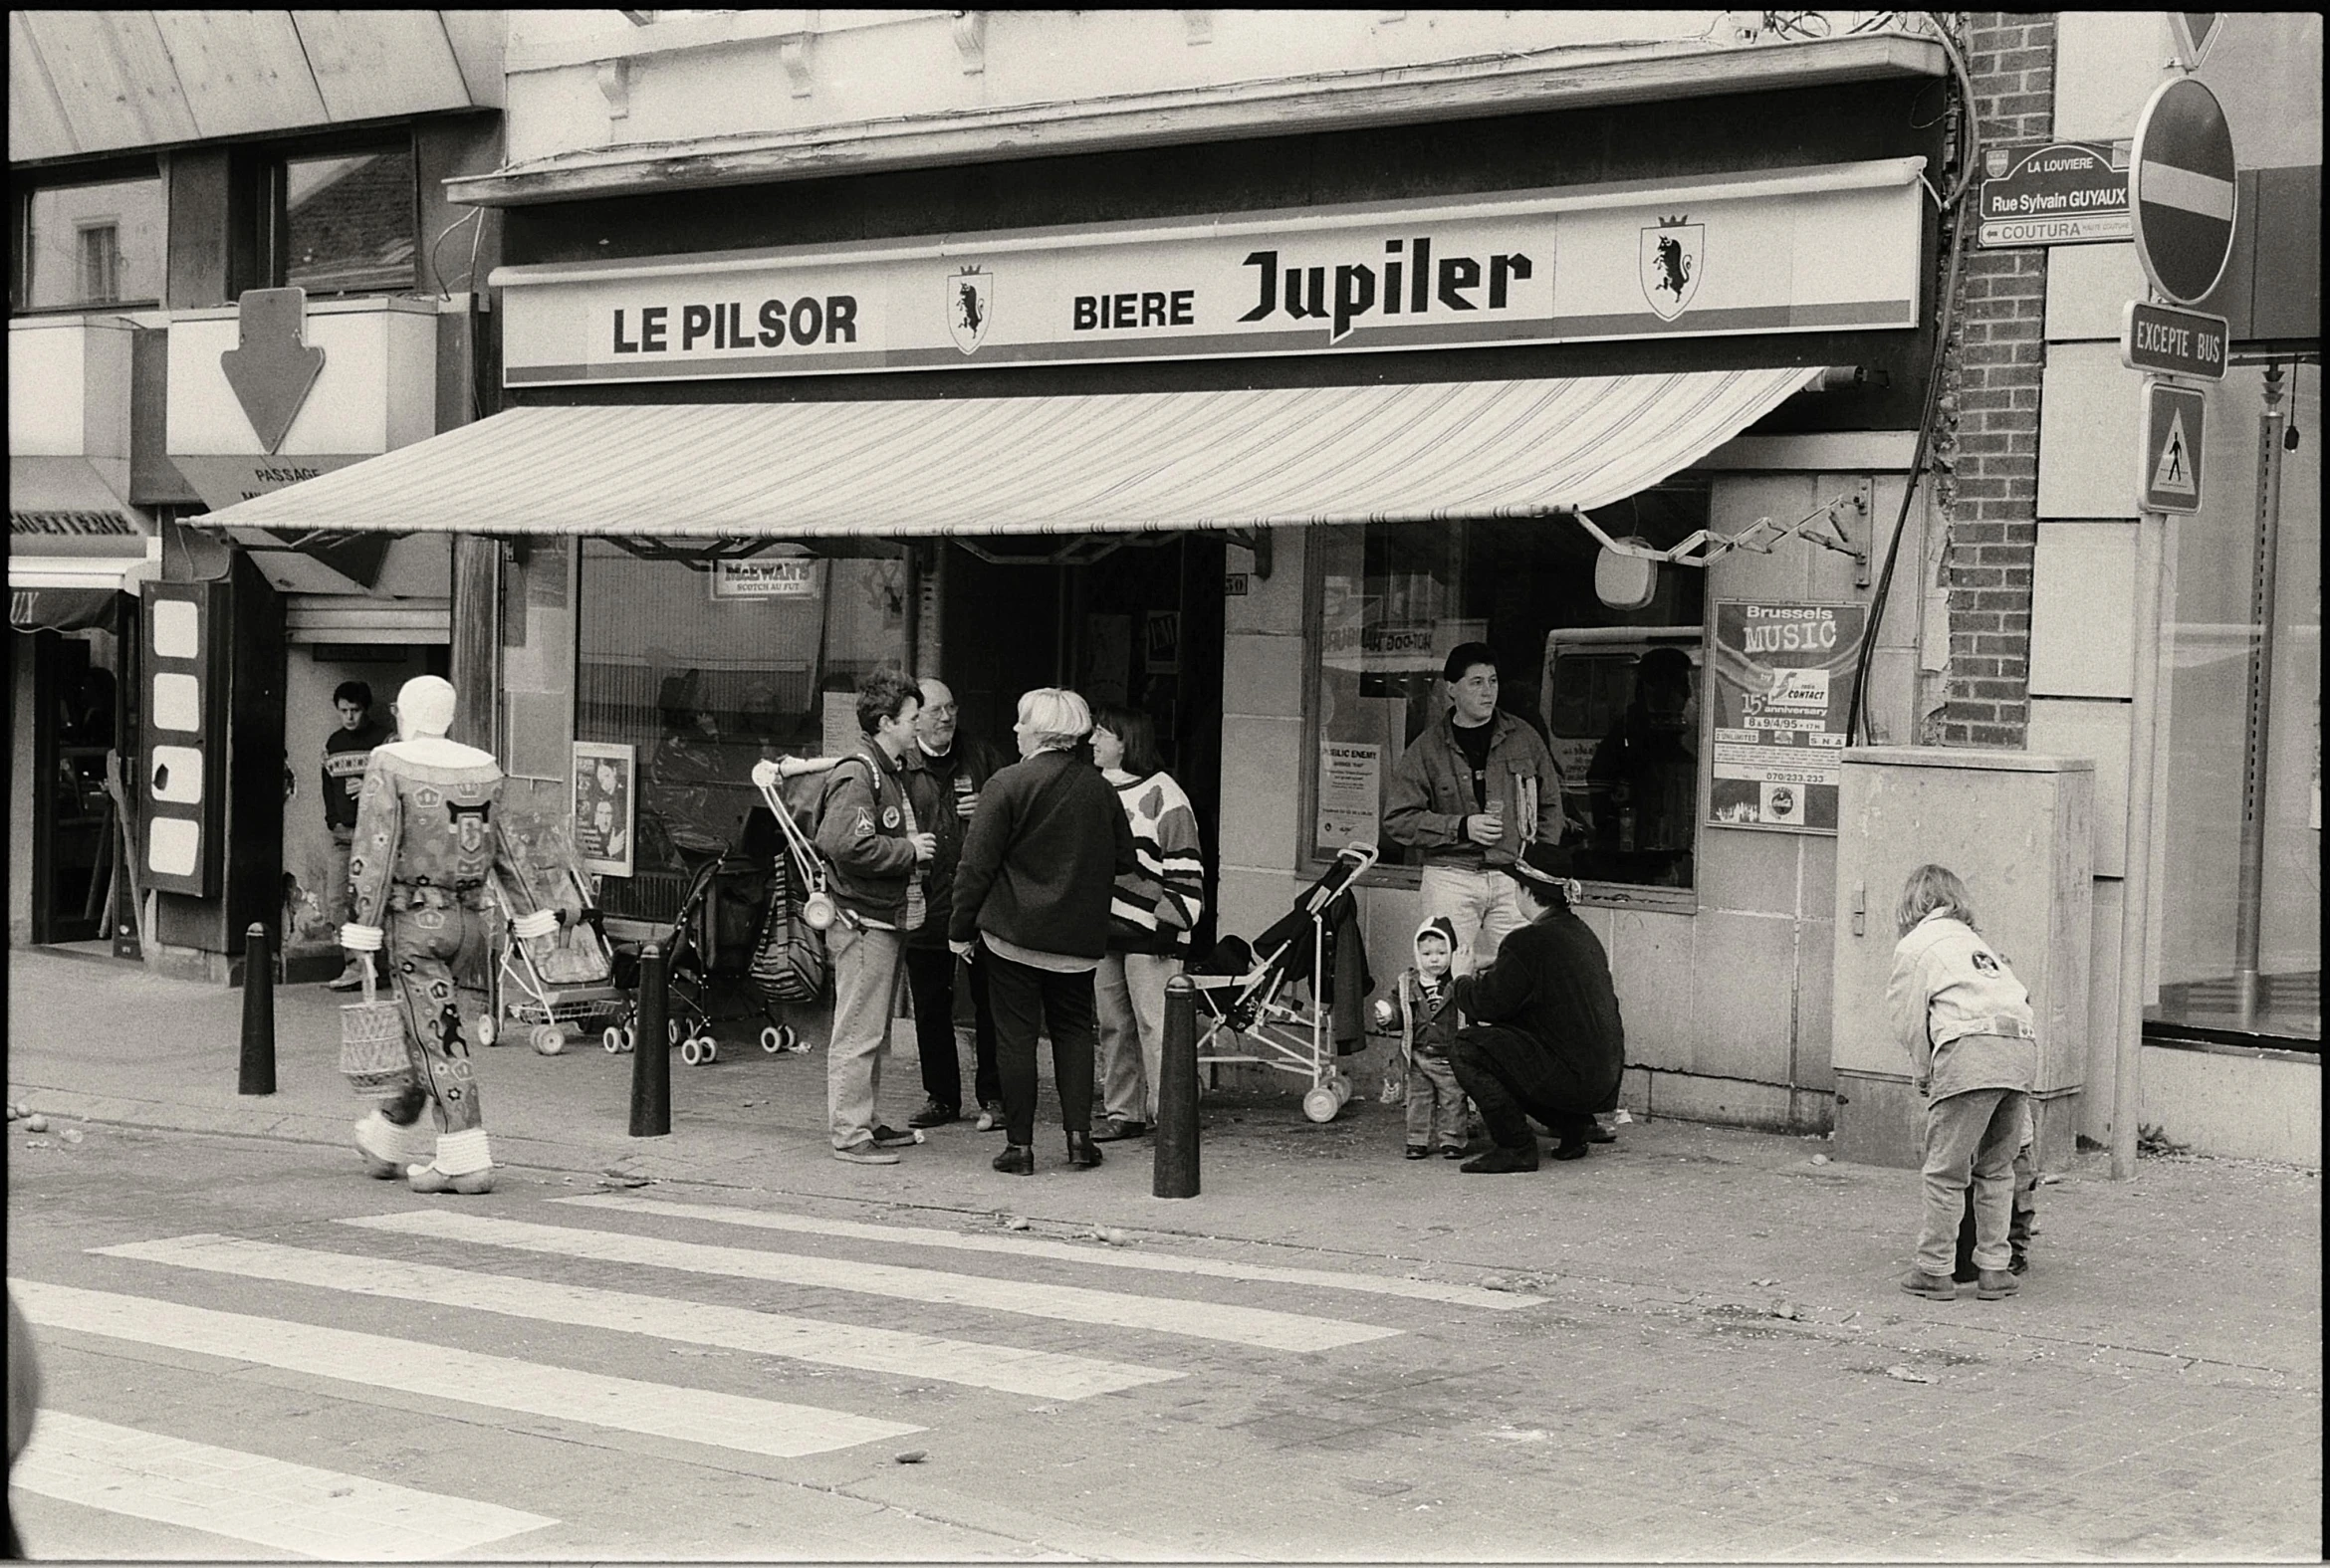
(1672, 256)
(970, 306)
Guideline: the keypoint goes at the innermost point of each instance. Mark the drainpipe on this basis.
(2136, 871)
(2250, 907)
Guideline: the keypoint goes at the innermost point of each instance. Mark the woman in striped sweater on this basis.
(1149, 921)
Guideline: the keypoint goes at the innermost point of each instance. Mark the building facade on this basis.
(1236, 365)
(234, 268)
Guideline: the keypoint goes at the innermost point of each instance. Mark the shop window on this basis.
(703, 668)
(102, 242)
(2238, 885)
(1614, 692)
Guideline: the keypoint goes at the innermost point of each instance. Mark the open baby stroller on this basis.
(1272, 996)
(553, 970)
(691, 984)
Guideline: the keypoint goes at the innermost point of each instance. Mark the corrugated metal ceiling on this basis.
(86, 82)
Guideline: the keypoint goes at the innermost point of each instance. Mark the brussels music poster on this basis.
(1782, 684)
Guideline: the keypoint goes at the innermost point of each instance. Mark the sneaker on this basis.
(1114, 1130)
(1453, 1150)
(1938, 1287)
(991, 1119)
(349, 979)
(1601, 1134)
(428, 1179)
(1996, 1284)
(887, 1137)
(865, 1154)
(933, 1114)
(1417, 1151)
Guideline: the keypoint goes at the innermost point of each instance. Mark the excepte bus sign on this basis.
(2055, 193)
(1782, 683)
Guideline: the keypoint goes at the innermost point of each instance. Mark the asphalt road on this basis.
(254, 1351)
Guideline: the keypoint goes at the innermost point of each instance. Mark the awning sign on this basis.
(2055, 193)
(1807, 250)
(1782, 683)
(750, 579)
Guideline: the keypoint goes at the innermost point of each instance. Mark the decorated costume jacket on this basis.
(424, 832)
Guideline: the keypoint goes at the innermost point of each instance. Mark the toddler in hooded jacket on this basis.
(1422, 1009)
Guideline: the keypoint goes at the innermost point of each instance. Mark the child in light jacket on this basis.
(1423, 1009)
(1965, 1023)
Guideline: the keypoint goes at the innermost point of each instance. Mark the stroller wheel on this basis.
(487, 1033)
(630, 1037)
(1322, 1103)
(549, 1040)
(612, 1040)
(671, 1027)
(689, 1052)
(1342, 1088)
(775, 1038)
(711, 1049)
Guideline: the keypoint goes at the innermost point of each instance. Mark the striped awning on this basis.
(1111, 463)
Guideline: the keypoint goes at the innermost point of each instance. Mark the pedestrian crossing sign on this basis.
(2175, 418)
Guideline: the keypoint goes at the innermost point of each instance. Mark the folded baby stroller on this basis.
(553, 969)
(790, 964)
(1268, 1002)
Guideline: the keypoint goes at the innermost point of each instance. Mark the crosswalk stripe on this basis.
(728, 1421)
(1257, 1326)
(251, 1497)
(1040, 1373)
(1030, 1247)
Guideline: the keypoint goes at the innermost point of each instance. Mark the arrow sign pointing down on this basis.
(272, 368)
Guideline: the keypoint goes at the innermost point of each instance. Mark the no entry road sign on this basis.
(2169, 476)
(2173, 342)
(2181, 190)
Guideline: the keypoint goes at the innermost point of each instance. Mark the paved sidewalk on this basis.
(2188, 1301)
(2197, 1259)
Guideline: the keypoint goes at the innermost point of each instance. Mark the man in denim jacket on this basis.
(1472, 792)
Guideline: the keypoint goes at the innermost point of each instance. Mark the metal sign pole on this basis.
(2136, 868)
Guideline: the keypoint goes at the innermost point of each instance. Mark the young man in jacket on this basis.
(875, 854)
(1473, 791)
(945, 770)
(1546, 1041)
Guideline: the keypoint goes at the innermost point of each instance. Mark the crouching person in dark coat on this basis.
(1546, 1041)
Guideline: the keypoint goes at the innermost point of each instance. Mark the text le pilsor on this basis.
(722, 325)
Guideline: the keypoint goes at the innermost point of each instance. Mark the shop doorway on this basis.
(1134, 620)
(76, 839)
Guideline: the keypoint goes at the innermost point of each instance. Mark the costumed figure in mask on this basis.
(425, 846)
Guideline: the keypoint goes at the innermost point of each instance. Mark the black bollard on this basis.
(258, 1071)
(1177, 1095)
(651, 1056)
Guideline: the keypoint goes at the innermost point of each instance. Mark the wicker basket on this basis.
(373, 1053)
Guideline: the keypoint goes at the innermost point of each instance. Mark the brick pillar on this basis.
(1989, 441)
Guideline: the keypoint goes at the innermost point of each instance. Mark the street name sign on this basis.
(2181, 190)
(2173, 342)
(2054, 193)
(2169, 471)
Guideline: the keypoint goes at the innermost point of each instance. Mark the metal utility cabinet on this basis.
(2018, 829)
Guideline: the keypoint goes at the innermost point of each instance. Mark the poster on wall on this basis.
(1351, 793)
(1783, 678)
(1164, 643)
(606, 805)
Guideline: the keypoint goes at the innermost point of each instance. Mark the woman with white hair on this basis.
(1032, 896)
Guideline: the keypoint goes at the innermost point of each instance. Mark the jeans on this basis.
(930, 974)
(1028, 1001)
(865, 974)
(1129, 991)
(1971, 1140)
(1484, 907)
(1436, 1106)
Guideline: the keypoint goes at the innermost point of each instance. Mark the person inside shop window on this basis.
(1646, 778)
(1472, 792)
(347, 751)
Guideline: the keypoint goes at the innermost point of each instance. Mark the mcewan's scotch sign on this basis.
(1804, 250)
